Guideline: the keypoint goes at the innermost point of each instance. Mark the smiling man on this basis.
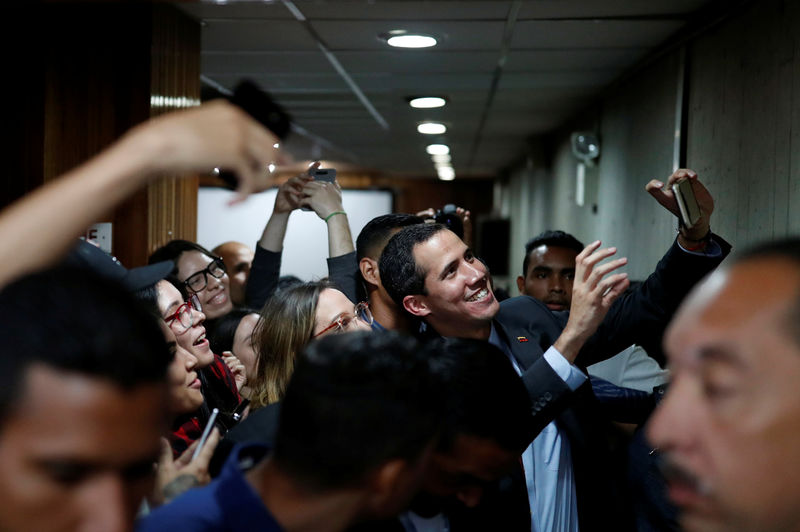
(729, 427)
(433, 275)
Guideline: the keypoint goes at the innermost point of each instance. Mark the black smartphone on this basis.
(259, 105)
(238, 414)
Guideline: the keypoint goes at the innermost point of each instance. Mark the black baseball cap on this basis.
(89, 256)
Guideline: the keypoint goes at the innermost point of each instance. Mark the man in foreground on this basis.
(357, 427)
(83, 403)
(728, 429)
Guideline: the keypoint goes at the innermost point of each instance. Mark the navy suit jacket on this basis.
(530, 328)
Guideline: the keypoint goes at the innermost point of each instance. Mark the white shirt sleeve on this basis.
(568, 372)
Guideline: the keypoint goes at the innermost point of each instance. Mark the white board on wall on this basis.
(306, 246)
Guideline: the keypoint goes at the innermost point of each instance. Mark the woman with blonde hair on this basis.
(290, 320)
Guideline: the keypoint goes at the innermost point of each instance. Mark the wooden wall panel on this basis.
(87, 78)
(175, 84)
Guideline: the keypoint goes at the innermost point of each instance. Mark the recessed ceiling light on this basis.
(446, 173)
(437, 149)
(441, 159)
(431, 128)
(409, 40)
(427, 102)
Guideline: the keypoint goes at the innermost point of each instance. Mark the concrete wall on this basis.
(742, 131)
(636, 130)
(744, 121)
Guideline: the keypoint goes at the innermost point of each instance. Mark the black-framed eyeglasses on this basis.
(182, 319)
(198, 281)
(345, 321)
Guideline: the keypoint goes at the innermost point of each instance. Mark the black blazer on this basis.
(529, 328)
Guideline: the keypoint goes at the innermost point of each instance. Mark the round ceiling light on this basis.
(438, 149)
(408, 40)
(431, 128)
(427, 102)
(446, 173)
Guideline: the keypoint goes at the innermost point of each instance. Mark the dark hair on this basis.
(485, 396)
(223, 330)
(355, 401)
(70, 319)
(173, 249)
(400, 274)
(373, 237)
(148, 298)
(287, 281)
(558, 239)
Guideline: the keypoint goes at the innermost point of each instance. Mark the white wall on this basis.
(306, 244)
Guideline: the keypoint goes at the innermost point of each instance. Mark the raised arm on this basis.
(265, 270)
(325, 199)
(38, 229)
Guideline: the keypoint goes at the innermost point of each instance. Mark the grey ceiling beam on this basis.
(336, 64)
(508, 32)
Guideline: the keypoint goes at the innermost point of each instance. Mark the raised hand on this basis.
(238, 370)
(664, 195)
(322, 197)
(592, 296)
(215, 135)
(290, 193)
(175, 476)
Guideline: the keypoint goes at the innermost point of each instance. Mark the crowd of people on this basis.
(203, 391)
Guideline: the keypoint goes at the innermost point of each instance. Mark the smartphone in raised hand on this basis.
(687, 203)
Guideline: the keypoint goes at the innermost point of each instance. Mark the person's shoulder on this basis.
(525, 311)
(521, 303)
(197, 509)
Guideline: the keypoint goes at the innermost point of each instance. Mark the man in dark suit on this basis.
(433, 275)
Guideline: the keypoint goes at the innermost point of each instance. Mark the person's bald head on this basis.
(729, 427)
(237, 258)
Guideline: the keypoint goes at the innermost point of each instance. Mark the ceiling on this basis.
(509, 69)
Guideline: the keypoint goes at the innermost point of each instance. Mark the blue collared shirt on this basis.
(547, 461)
(229, 504)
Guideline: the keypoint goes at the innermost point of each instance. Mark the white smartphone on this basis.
(687, 203)
(206, 432)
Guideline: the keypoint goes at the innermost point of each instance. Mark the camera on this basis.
(447, 216)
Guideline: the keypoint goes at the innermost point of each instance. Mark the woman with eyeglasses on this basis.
(199, 272)
(219, 386)
(290, 320)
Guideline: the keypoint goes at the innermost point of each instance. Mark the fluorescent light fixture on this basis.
(427, 102)
(438, 149)
(411, 41)
(446, 173)
(441, 159)
(431, 128)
